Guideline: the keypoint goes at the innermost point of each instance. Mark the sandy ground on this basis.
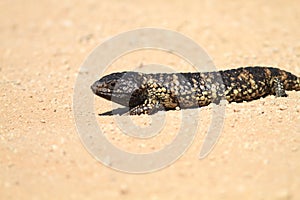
(42, 47)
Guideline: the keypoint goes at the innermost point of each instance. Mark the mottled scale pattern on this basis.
(149, 93)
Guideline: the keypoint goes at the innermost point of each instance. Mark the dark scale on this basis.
(149, 93)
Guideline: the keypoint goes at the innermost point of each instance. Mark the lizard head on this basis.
(123, 88)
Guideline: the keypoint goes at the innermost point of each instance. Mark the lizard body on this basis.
(148, 93)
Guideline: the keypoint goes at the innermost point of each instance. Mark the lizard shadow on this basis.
(117, 111)
(125, 111)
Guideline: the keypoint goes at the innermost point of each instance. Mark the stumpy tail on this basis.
(297, 86)
(290, 81)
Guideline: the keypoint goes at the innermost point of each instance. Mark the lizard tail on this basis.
(297, 84)
(290, 81)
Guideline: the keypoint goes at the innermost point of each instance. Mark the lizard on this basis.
(149, 93)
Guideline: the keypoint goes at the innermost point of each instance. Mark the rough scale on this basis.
(149, 93)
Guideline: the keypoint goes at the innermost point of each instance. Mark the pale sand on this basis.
(42, 48)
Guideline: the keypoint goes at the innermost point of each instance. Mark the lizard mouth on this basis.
(104, 91)
(108, 94)
(100, 90)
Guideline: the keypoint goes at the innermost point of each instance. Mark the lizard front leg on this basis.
(278, 88)
(146, 108)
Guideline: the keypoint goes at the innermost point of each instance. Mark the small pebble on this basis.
(124, 189)
(282, 107)
(246, 145)
(266, 162)
(142, 145)
(283, 194)
(53, 147)
(236, 110)
(295, 149)
(66, 23)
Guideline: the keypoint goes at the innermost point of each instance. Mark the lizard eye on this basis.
(112, 84)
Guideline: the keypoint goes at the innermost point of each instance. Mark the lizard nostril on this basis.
(93, 87)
